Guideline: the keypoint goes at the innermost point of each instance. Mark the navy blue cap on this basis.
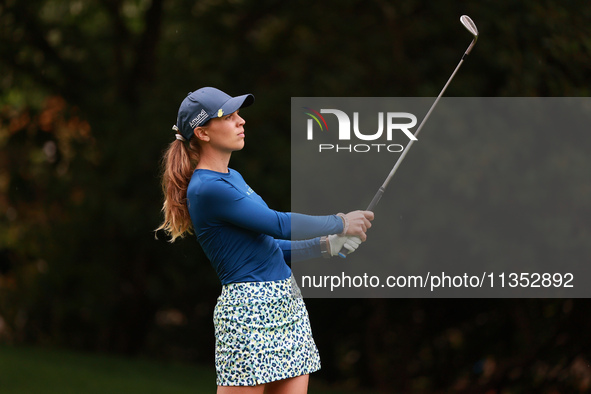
(207, 103)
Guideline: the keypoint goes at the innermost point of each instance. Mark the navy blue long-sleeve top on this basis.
(243, 238)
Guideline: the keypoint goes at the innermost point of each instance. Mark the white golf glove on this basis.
(337, 242)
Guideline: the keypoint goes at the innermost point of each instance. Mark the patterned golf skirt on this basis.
(262, 333)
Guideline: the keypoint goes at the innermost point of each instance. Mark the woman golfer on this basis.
(263, 337)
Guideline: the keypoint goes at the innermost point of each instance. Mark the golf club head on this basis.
(471, 27)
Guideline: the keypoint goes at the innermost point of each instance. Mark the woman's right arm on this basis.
(226, 203)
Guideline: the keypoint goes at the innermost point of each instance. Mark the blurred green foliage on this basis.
(89, 91)
(34, 371)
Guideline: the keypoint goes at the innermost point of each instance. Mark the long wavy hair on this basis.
(178, 163)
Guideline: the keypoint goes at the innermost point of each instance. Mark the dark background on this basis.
(493, 185)
(90, 89)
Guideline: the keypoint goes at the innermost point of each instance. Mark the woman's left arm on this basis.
(294, 251)
(326, 246)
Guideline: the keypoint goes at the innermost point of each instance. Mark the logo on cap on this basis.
(199, 119)
(220, 113)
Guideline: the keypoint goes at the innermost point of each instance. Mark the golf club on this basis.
(471, 27)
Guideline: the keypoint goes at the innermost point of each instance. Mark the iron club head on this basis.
(471, 27)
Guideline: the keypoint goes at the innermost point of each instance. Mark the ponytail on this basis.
(178, 164)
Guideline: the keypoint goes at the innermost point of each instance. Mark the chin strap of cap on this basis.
(177, 135)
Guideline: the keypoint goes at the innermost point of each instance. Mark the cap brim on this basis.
(235, 103)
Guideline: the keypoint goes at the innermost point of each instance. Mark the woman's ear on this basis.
(201, 133)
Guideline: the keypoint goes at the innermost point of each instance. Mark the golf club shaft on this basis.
(382, 189)
(376, 198)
